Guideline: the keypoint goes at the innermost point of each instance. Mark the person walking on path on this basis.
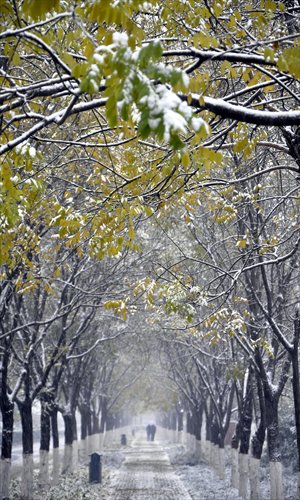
(148, 431)
(152, 431)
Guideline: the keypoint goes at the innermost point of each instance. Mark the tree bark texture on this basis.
(7, 411)
(25, 408)
(68, 451)
(243, 475)
(258, 438)
(234, 468)
(246, 416)
(296, 388)
(45, 424)
(54, 428)
(254, 464)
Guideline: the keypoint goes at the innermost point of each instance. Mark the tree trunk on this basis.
(274, 446)
(83, 434)
(257, 444)
(234, 468)
(83, 423)
(25, 408)
(90, 447)
(180, 426)
(276, 480)
(243, 474)
(95, 435)
(254, 465)
(208, 424)
(192, 438)
(55, 443)
(246, 421)
(68, 452)
(45, 441)
(235, 441)
(103, 418)
(296, 389)
(180, 420)
(75, 443)
(188, 429)
(198, 418)
(215, 432)
(7, 410)
(256, 447)
(95, 423)
(174, 426)
(109, 428)
(258, 439)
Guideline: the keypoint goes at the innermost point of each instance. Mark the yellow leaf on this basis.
(269, 54)
(131, 232)
(201, 101)
(270, 5)
(225, 67)
(16, 59)
(70, 60)
(148, 211)
(290, 61)
(185, 159)
(240, 145)
(39, 8)
(241, 244)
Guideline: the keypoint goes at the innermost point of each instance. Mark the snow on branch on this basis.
(243, 114)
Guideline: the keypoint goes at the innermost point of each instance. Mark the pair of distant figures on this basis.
(151, 430)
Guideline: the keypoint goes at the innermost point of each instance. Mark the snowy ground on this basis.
(203, 483)
(199, 480)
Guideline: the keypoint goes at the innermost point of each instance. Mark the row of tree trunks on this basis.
(245, 466)
(260, 399)
(49, 422)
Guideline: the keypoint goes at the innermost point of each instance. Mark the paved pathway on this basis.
(147, 474)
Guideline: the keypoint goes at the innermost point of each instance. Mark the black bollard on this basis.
(123, 439)
(95, 468)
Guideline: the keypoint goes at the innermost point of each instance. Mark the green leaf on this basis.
(144, 128)
(151, 51)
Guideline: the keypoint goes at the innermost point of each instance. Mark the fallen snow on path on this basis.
(147, 474)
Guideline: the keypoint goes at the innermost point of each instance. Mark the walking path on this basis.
(147, 474)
